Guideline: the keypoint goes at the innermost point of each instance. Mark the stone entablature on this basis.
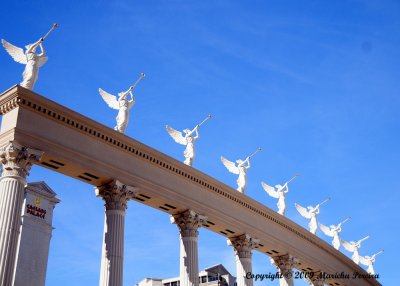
(164, 182)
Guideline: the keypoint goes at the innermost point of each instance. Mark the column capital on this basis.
(17, 159)
(243, 244)
(285, 262)
(317, 279)
(188, 222)
(116, 194)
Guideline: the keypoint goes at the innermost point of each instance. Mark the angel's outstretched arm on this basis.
(34, 46)
(286, 188)
(43, 53)
(132, 97)
(197, 132)
(248, 162)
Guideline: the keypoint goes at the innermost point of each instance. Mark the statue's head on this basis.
(239, 161)
(332, 226)
(310, 208)
(186, 130)
(278, 186)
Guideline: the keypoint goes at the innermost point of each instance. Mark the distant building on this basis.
(35, 235)
(216, 275)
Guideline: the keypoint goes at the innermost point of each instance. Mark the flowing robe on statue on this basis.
(189, 151)
(31, 72)
(313, 223)
(336, 239)
(123, 115)
(281, 202)
(356, 255)
(242, 179)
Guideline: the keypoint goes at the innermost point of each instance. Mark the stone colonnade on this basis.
(17, 160)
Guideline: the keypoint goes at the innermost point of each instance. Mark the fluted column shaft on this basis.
(16, 161)
(116, 196)
(188, 222)
(285, 265)
(243, 245)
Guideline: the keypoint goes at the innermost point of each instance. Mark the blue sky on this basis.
(314, 83)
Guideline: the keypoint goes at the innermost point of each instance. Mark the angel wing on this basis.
(347, 246)
(16, 53)
(42, 61)
(326, 230)
(270, 190)
(302, 211)
(110, 99)
(176, 135)
(230, 166)
(364, 261)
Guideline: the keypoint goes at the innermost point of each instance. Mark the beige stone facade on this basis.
(36, 232)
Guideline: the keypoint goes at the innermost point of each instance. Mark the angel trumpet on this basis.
(201, 123)
(294, 177)
(48, 33)
(347, 219)
(378, 253)
(142, 75)
(327, 200)
(361, 240)
(258, 150)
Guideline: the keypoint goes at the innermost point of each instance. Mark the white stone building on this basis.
(216, 275)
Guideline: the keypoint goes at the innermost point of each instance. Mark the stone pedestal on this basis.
(285, 265)
(16, 161)
(188, 222)
(36, 230)
(243, 245)
(116, 196)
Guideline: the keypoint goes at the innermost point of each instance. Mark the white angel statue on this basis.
(279, 192)
(123, 105)
(333, 231)
(239, 169)
(354, 247)
(187, 140)
(369, 261)
(32, 61)
(311, 214)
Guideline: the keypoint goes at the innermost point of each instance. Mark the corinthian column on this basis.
(243, 245)
(188, 222)
(16, 161)
(317, 279)
(116, 196)
(285, 265)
